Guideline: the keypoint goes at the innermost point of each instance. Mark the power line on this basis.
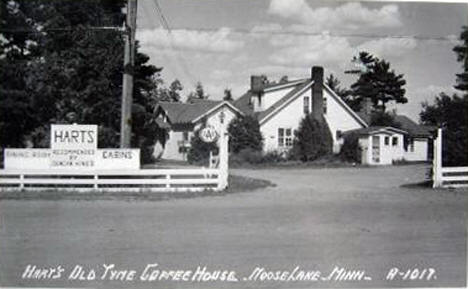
(165, 24)
(163, 19)
(65, 29)
(330, 34)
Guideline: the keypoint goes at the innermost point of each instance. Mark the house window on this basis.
(185, 136)
(394, 141)
(306, 105)
(285, 137)
(288, 139)
(387, 140)
(324, 105)
(281, 137)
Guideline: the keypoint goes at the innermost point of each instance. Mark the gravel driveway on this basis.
(314, 219)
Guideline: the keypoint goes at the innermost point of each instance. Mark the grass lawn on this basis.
(236, 184)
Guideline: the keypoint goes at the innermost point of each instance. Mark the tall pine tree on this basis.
(68, 69)
(378, 82)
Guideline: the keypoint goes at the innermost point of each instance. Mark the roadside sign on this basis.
(208, 134)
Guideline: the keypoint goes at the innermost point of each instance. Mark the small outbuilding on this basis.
(380, 145)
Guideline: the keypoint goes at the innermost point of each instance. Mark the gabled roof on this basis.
(370, 130)
(264, 115)
(282, 85)
(183, 113)
(340, 101)
(412, 127)
(406, 124)
(244, 103)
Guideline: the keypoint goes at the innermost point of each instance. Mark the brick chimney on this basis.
(317, 92)
(366, 106)
(257, 83)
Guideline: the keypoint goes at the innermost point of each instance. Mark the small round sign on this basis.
(208, 134)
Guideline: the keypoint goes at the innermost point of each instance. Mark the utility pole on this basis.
(129, 67)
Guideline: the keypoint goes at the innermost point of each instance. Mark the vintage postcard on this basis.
(233, 144)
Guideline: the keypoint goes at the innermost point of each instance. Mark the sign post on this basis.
(209, 134)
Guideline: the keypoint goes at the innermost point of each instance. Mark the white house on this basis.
(181, 120)
(280, 107)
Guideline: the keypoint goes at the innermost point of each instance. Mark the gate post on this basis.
(437, 161)
(223, 169)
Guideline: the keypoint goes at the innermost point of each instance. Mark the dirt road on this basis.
(314, 219)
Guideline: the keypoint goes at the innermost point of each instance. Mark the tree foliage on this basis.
(351, 150)
(172, 93)
(312, 140)
(450, 113)
(198, 94)
(227, 95)
(462, 56)
(55, 64)
(345, 94)
(199, 151)
(245, 133)
(378, 82)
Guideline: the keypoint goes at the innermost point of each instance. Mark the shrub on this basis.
(199, 152)
(351, 150)
(312, 140)
(245, 133)
(275, 157)
(249, 155)
(255, 157)
(40, 136)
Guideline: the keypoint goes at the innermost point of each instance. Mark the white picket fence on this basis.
(148, 180)
(446, 177)
(153, 180)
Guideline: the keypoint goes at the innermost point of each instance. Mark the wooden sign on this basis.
(73, 147)
(73, 136)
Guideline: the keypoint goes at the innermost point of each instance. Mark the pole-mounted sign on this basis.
(208, 134)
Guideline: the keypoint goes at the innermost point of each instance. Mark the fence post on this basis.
(168, 177)
(223, 168)
(437, 162)
(95, 181)
(21, 181)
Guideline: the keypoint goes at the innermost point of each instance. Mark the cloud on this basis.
(349, 16)
(220, 74)
(279, 70)
(219, 41)
(327, 50)
(302, 51)
(434, 90)
(388, 47)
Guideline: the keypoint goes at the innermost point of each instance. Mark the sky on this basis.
(221, 43)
